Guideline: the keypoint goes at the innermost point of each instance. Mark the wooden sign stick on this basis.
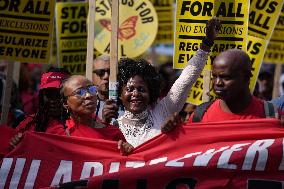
(114, 50)
(16, 72)
(277, 74)
(90, 40)
(206, 86)
(7, 93)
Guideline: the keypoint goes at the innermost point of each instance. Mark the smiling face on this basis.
(135, 95)
(79, 105)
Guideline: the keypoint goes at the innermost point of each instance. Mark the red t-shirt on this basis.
(214, 113)
(109, 132)
(53, 126)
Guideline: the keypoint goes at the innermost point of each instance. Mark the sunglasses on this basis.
(92, 90)
(101, 72)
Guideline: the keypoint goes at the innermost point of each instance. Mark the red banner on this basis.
(6, 134)
(238, 154)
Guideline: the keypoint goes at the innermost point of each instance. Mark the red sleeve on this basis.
(116, 134)
(120, 136)
(23, 126)
(55, 127)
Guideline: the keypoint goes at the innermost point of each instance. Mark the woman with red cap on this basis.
(50, 112)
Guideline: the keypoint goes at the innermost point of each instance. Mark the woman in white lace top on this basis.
(139, 89)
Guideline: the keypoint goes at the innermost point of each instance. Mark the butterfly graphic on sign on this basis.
(126, 30)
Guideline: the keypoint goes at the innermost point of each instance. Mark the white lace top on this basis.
(138, 128)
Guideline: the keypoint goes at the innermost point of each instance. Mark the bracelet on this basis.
(207, 42)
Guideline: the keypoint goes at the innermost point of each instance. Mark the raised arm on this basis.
(177, 95)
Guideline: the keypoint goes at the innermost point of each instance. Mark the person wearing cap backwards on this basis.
(49, 114)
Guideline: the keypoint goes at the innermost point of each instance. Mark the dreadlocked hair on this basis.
(64, 113)
(129, 68)
(40, 118)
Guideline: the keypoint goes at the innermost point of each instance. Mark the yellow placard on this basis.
(263, 16)
(138, 25)
(256, 49)
(275, 50)
(71, 21)
(164, 9)
(278, 32)
(191, 19)
(26, 29)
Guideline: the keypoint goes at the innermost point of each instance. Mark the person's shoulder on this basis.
(201, 110)
(211, 106)
(257, 102)
(279, 102)
(278, 99)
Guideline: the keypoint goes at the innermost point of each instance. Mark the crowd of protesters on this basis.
(150, 101)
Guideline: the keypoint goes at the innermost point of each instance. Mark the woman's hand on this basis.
(125, 148)
(110, 110)
(15, 140)
(212, 29)
(171, 123)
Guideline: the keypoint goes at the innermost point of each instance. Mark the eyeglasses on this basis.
(101, 72)
(83, 91)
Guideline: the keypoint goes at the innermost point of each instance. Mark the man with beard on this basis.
(101, 70)
(231, 72)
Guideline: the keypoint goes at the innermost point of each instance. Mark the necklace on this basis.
(135, 125)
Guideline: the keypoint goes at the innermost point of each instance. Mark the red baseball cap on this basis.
(52, 80)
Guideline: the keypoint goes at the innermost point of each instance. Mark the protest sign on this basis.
(237, 154)
(138, 24)
(256, 49)
(263, 17)
(164, 9)
(26, 29)
(275, 52)
(275, 49)
(71, 21)
(191, 19)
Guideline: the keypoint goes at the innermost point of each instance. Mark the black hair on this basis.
(265, 75)
(129, 68)
(63, 100)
